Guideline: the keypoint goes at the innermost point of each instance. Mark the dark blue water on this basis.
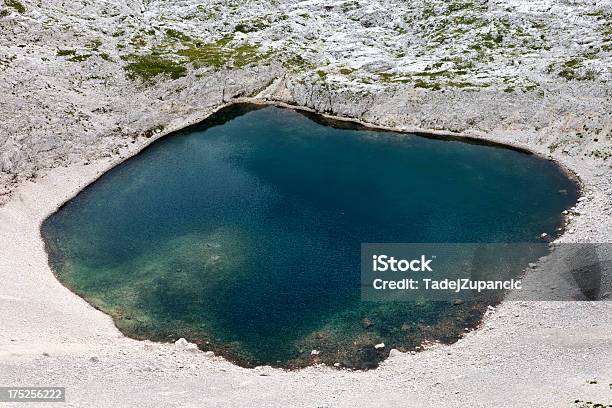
(243, 233)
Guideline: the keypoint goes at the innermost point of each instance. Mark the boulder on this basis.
(367, 323)
(185, 345)
(181, 342)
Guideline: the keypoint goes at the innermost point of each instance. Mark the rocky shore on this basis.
(86, 85)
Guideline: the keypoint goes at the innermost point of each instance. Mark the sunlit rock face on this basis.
(88, 80)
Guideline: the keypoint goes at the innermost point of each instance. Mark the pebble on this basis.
(379, 346)
(181, 342)
(184, 344)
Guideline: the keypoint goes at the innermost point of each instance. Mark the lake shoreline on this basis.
(137, 329)
(90, 337)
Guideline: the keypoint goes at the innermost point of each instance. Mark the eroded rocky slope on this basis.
(82, 80)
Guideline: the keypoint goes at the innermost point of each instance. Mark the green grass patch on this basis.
(16, 5)
(429, 10)
(572, 70)
(573, 63)
(219, 54)
(64, 53)
(248, 54)
(297, 63)
(138, 41)
(94, 44)
(184, 38)
(395, 78)
(464, 84)
(251, 26)
(462, 5)
(434, 86)
(216, 54)
(147, 67)
(567, 74)
(432, 74)
(492, 41)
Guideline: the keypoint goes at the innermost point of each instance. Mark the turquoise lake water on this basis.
(243, 233)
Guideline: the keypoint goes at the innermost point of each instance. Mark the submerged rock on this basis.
(367, 323)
